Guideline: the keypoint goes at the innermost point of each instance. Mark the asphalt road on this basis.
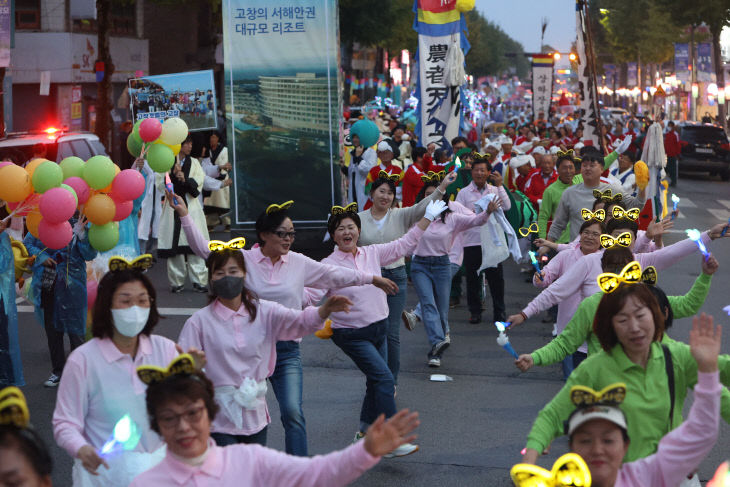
(473, 427)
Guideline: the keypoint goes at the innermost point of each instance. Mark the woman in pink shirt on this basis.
(277, 274)
(181, 408)
(99, 385)
(362, 334)
(239, 333)
(431, 272)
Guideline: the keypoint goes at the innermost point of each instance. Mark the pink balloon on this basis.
(92, 288)
(5, 163)
(124, 209)
(55, 235)
(150, 129)
(82, 189)
(57, 205)
(127, 185)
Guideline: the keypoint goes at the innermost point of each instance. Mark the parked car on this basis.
(705, 148)
(614, 114)
(59, 145)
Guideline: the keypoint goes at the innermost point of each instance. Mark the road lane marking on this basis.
(725, 203)
(721, 215)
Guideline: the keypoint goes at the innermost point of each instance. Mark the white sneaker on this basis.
(447, 338)
(434, 362)
(410, 320)
(555, 329)
(401, 451)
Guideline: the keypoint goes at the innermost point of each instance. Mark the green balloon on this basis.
(160, 158)
(134, 144)
(46, 176)
(104, 237)
(72, 191)
(99, 172)
(72, 166)
(135, 127)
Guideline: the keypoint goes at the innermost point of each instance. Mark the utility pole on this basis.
(692, 100)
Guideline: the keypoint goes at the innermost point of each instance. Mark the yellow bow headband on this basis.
(599, 215)
(607, 196)
(234, 244)
(630, 274)
(583, 396)
(13, 408)
(624, 240)
(486, 155)
(533, 228)
(182, 364)
(433, 176)
(621, 214)
(565, 153)
(142, 263)
(273, 208)
(568, 471)
(338, 210)
(393, 177)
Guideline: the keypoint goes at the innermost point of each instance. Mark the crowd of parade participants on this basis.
(195, 408)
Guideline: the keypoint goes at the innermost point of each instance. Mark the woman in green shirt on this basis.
(579, 328)
(629, 325)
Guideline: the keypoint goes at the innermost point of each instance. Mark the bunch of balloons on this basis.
(158, 142)
(48, 195)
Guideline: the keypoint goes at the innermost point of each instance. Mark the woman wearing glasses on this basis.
(275, 273)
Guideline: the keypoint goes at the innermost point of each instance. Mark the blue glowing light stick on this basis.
(503, 341)
(124, 437)
(502, 325)
(168, 185)
(696, 237)
(726, 309)
(724, 230)
(535, 263)
(675, 201)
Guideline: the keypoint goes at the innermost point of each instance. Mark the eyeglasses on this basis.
(170, 421)
(591, 234)
(284, 235)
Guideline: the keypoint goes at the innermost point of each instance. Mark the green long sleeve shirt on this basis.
(646, 405)
(580, 328)
(551, 198)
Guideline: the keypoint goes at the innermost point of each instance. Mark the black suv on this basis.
(705, 147)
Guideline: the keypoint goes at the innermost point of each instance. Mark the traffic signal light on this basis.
(573, 57)
(556, 56)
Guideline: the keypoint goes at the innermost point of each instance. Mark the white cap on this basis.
(539, 150)
(554, 149)
(597, 411)
(521, 160)
(503, 139)
(494, 144)
(384, 146)
(578, 146)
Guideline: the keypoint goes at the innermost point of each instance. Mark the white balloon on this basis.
(174, 131)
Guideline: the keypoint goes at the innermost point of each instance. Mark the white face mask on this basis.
(130, 321)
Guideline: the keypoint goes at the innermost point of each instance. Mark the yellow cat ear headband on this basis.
(621, 214)
(142, 263)
(433, 176)
(583, 396)
(393, 177)
(273, 208)
(13, 408)
(566, 153)
(630, 274)
(624, 240)
(182, 364)
(599, 215)
(568, 471)
(234, 244)
(338, 210)
(486, 156)
(533, 228)
(607, 196)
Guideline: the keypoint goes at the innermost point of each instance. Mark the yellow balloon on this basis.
(32, 165)
(100, 209)
(32, 221)
(15, 183)
(174, 148)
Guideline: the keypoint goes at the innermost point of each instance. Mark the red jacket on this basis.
(521, 181)
(412, 184)
(536, 186)
(671, 144)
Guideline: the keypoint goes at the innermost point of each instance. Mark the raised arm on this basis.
(690, 303)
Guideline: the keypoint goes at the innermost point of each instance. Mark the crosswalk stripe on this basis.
(720, 214)
(725, 203)
(684, 202)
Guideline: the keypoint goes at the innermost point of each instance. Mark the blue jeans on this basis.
(367, 348)
(431, 277)
(224, 439)
(287, 384)
(455, 268)
(396, 305)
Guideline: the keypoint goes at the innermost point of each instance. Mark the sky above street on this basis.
(520, 19)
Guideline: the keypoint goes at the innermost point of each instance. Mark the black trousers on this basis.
(55, 337)
(495, 280)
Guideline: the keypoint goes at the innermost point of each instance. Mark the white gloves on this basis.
(434, 209)
(624, 144)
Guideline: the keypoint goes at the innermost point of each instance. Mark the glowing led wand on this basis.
(535, 263)
(696, 237)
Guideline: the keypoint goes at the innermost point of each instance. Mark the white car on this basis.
(59, 145)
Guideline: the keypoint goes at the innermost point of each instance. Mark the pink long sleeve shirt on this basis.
(471, 194)
(682, 450)
(370, 304)
(99, 386)
(456, 252)
(439, 236)
(581, 278)
(256, 466)
(284, 281)
(236, 348)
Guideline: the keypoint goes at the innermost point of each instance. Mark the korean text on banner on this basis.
(283, 100)
(586, 89)
(681, 61)
(542, 85)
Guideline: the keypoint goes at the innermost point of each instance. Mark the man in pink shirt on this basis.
(478, 188)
